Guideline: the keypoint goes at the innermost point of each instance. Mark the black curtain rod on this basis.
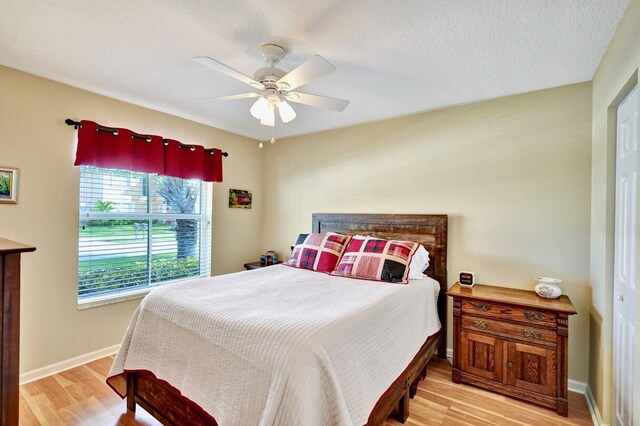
(77, 124)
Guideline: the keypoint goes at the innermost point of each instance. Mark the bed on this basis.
(327, 374)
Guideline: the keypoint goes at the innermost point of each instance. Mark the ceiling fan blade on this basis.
(313, 68)
(234, 97)
(224, 69)
(334, 104)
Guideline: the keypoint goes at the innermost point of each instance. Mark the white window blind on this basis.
(139, 230)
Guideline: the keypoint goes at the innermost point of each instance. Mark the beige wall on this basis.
(513, 174)
(616, 75)
(34, 138)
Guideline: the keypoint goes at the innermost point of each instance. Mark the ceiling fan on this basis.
(274, 87)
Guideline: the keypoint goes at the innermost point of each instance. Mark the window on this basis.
(139, 230)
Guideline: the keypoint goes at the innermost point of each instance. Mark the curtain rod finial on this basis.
(76, 124)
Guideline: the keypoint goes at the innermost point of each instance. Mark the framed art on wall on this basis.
(239, 199)
(8, 185)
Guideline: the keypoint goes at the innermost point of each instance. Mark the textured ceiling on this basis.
(393, 58)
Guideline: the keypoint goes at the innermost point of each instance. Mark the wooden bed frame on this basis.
(166, 404)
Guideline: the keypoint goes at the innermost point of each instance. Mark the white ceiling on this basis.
(393, 58)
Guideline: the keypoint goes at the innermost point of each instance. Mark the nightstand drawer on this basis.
(530, 316)
(523, 332)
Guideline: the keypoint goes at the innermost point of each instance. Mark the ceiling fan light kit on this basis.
(287, 113)
(269, 118)
(259, 108)
(275, 85)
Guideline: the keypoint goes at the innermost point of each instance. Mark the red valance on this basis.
(123, 149)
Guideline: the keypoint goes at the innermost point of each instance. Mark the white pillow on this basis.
(419, 263)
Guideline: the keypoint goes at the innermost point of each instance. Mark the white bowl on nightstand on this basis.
(548, 287)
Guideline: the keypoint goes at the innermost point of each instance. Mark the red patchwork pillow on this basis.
(319, 252)
(376, 259)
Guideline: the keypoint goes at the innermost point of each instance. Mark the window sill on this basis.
(108, 299)
(94, 302)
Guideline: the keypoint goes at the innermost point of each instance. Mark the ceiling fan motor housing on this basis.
(269, 76)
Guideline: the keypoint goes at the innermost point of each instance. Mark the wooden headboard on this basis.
(426, 229)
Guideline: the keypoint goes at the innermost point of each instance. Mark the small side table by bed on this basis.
(257, 265)
(512, 342)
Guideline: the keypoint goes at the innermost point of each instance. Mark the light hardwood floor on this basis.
(80, 397)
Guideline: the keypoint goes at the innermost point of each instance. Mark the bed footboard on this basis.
(405, 386)
(163, 401)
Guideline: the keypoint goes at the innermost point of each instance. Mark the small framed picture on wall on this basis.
(8, 185)
(239, 199)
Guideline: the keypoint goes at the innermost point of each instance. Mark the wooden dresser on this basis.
(10, 334)
(512, 342)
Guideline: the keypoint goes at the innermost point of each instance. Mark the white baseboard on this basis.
(58, 367)
(579, 387)
(574, 386)
(450, 355)
(593, 408)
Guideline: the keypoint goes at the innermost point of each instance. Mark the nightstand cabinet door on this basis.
(482, 356)
(531, 368)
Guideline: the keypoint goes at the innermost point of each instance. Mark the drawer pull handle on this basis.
(480, 324)
(481, 307)
(509, 364)
(533, 315)
(532, 334)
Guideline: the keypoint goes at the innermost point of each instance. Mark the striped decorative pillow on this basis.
(318, 252)
(376, 259)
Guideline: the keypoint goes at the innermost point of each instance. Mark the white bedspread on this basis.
(279, 345)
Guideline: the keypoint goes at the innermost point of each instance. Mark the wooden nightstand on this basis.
(257, 265)
(513, 342)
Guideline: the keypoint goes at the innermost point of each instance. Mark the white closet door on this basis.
(625, 256)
